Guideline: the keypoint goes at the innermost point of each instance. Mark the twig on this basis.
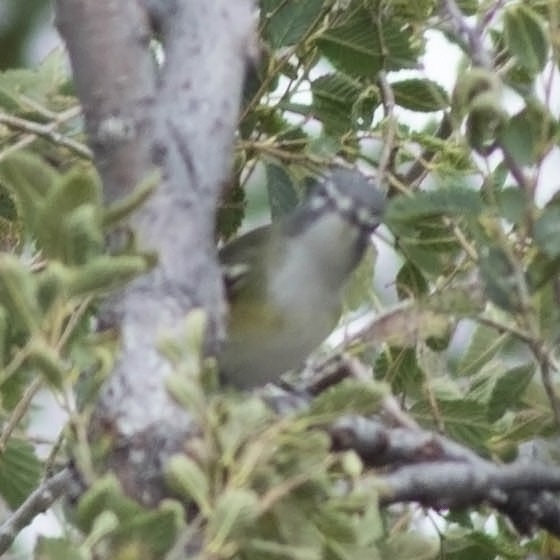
(20, 410)
(37, 502)
(47, 131)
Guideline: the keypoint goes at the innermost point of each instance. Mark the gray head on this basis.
(347, 192)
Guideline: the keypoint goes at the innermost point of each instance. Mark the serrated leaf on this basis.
(411, 545)
(20, 471)
(498, 275)
(450, 201)
(509, 390)
(53, 548)
(358, 289)
(30, 179)
(47, 362)
(235, 511)
(286, 23)
(18, 293)
(334, 96)
(513, 204)
(410, 282)
(528, 134)
(526, 37)
(82, 235)
(187, 478)
(75, 197)
(464, 420)
(420, 95)
(334, 525)
(547, 231)
(156, 530)
(282, 195)
(361, 45)
(484, 344)
(104, 495)
(349, 396)
(105, 272)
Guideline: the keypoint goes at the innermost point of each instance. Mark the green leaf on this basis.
(60, 232)
(155, 530)
(410, 281)
(349, 396)
(449, 201)
(282, 195)
(341, 104)
(525, 37)
(82, 236)
(361, 45)
(420, 95)
(104, 495)
(528, 135)
(286, 23)
(464, 420)
(547, 231)
(235, 511)
(513, 204)
(30, 179)
(105, 272)
(399, 367)
(509, 390)
(51, 548)
(186, 477)
(46, 360)
(484, 344)
(496, 270)
(20, 471)
(411, 545)
(541, 269)
(18, 294)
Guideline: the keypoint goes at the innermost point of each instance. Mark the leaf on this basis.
(18, 294)
(509, 390)
(547, 231)
(236, 510)
(528, 134)
(464, 420)
(513, 204)
(341, 103)
(410, 282)
(30, 179)
(20, 471)
(54, 548)
(484, 344)
(447, 201)
(186, 477)
(105, 272)
(286, 23)
(156, 530)
(411, 545)
(496, 270)
(420, 95)
(349, 396)
(282, 195)
(526, 37)
(361, 46)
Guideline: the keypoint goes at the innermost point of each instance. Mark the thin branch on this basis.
(47, 131)
(37, 502)
(440, 473)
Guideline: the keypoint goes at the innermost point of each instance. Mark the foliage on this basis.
(478, 252)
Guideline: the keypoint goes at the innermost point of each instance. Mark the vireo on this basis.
(284, 281)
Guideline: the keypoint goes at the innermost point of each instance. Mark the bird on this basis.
(284, 281)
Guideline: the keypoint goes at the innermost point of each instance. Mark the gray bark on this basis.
(180, 116)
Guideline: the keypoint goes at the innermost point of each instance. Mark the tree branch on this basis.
(37, 502)
(179, 116)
